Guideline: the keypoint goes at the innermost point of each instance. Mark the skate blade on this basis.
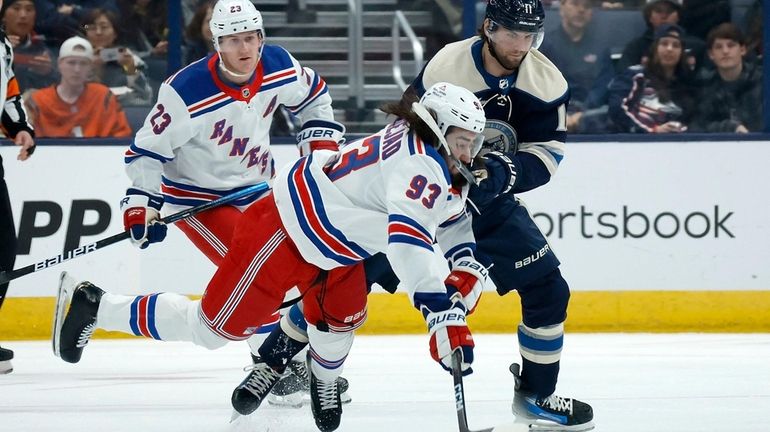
(295, 400)
(63, 297)
(234, 416)
(545, 426)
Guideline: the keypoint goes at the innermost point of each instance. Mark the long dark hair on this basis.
(656, 74)
(403, 110)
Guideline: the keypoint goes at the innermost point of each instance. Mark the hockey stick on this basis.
(6, 277)
(457, 375)
(462, 417)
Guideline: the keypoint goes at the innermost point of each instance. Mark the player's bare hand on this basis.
(126, 60)
(41, 64)
(670, 127)
(741, 129)
(27, 144)
(160, 49)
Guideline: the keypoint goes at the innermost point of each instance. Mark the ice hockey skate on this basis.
(324, 401)
(551, 414)
(72, 332)
(293, 390)
(250, 393)
(6, 356)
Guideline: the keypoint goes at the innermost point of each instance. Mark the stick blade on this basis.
(63, 297)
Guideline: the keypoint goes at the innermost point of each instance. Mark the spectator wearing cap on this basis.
(730, 95)
(657, 13)
(656, 97)
(582, 54)
(76, 107)
(32, 59)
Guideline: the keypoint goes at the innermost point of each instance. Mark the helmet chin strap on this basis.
(236, 74)
(229, 72)
(423, 113)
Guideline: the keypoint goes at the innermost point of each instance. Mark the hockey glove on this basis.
(141, 218)
(467, 280)
(320, 135)
(449, 332)
(501, 174)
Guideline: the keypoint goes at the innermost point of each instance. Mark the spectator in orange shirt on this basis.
(75, 107)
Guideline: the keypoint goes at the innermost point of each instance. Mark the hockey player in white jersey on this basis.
(208, 134)
(525, 98)
(395, 192)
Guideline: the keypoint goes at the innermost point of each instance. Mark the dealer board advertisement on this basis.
(620, 216)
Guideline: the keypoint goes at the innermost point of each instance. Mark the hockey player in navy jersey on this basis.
(394, 192)
(525, 99)
(208, 135)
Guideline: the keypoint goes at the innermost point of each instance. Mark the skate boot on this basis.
(72, 334)
(549, 414)
(292, 390)
(250, 393)
(6, 356)
(325, 402)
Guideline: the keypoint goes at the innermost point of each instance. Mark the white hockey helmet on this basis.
(453, 106)
(234, 16)
(456, 106)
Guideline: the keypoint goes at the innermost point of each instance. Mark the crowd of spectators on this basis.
(692, 69)
(717, 59)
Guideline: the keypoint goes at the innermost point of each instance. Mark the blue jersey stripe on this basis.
(305, 226)
(212, 108)
(134, 315)
(151, 301)
(405, 239)
(411, 222)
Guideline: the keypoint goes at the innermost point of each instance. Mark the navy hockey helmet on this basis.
(518, 15)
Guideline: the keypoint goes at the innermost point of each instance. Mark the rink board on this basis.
(653, 236)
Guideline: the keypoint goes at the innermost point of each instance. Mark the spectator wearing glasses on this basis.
(115, 65)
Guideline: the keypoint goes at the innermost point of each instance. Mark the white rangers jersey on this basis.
(206, 138)
(389, 192)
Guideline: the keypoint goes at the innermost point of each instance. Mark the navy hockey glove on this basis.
(501, 174)
(467, 280)
(141, 213)
(449, 332)
(320, 135)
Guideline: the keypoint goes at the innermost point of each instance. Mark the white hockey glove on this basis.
(320, 135)
(467, 279)
(141, 214)
(449, 332)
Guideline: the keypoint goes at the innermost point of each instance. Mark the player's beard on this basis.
(458, 181)
(500, 59)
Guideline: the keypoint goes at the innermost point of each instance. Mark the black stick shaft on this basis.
(457, 376)
(6, 277)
